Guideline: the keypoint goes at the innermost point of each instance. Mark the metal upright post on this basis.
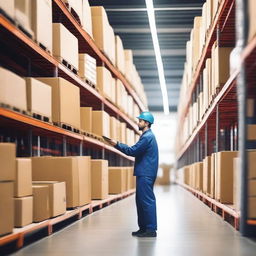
(64, 146)
(81, 148)
(38, 145)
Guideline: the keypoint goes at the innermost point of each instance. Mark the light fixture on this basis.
(159, 62)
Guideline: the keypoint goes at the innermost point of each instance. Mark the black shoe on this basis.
(140, 231)
(147, 234)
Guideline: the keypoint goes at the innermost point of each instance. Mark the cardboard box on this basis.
(213, 168)
(41, 203)
(199, 175)
(23, 214)
(71, 170)
(120, 91)
(130, 178)
(39, 97)
(87, 18)
(251, 164)
(207, 175)
(12, 89)
(252, 188)
(41, 21)
(101, 123)
(6, 208)
(86, 119)
(65, 101)
(99, 179)
(8, 7)
(8, 161)
(251, 132)
(117, 177)
(87, 68)
(252, 21)
(196, 42)
(252, 207)
(77, 6)
(113, 128)
(23, 180)
(250, 107)
(122, 132)
(56, 196)
(128, 55)
(224, 176)
(120, 58)
(65, 45)
(104, 82)
(237, 184)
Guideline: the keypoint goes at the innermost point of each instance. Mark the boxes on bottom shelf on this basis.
(65, 101)
(8, 7)
(213, 168)
(117, 180)
(86, 119)
(207, 175)
(130, 178)
(23, 180)
(65, 45)
(251, 164)
(199, 175)
(23, 214)
(8, 161)
(6, 208)
(237, 184)
(99, 179)
(251, 132)
(101, 123)
(12, 89)
(39, 97)
(252, 207)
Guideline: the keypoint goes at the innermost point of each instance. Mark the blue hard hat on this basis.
(146, 116)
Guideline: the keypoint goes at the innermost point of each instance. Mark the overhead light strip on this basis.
(159, 62)
(156, 9)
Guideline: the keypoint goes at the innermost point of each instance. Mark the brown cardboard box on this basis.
(7, 160)
(77, 6)
(122, 132)
(251, 132)
(196, 42)
(120, 58)
(8, 7)
(113, 90)
(86, 119)
(87, 68)
(104, 82)
(41, 203)
(39, 97)
(12, 89)
(113, 128)
(120, 91)
(66, 169)
(41, 21)
(250, 107)
(65, 101)
(213, 168)
(117, 177)
(252, 207)
(252, 188)
(207, 175)
(224, 176)
(252, 21)
(130, 178)
(237, 184)
(186, 175)
(65, 45)
(199, 174)
(101, 123)
(57, 196)
(6, 208)
(251, 164)
(99, 179)
(23, 214)
(87, 17)
(23, 180)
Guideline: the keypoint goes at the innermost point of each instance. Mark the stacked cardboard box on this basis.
(207, 175)
(117, 180)
(87, 17)
(251, 184)
(122, 132)
(86, 119)
(8, 7)
(7, 176)
(120, 58)
(77, 6)
(104, 82)
(65, 45)
(65, 101)
(101, 123)
(113, 128)
(87, 68)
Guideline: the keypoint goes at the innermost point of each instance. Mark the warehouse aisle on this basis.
(186, 227)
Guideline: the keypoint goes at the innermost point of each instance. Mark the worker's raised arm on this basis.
(135, 150)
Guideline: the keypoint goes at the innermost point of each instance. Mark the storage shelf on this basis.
(19, 234)
(87, 44)
(48, 63)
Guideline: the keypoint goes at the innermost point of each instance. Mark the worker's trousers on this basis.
(146, 203)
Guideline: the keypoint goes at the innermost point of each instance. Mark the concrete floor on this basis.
(185, 227)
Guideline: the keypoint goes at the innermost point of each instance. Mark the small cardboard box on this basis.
(101, 123)
(23, 211)
(117, 180)
(86, 119)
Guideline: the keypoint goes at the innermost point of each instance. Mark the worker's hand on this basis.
(112, 142)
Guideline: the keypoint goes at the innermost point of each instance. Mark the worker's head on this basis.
(145, 120)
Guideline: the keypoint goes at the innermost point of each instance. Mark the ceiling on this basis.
(174, 21)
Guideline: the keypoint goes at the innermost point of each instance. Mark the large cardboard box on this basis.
(120, 91)
(39, 97)
(87, 17)
(237, 184)
(6, 208)
(23, 214)
(104, 82)
(252, 207)
(251, 164)
(99, 179)
(101, 123)
(207, 175)
(199, 175)
(186, 175)
(213, 170)
(8, 7)
(252, 21)
(252, 188)
(224, 176)
(57, 196)
(65, 45)
(250, 107)
(120, 58)
(113, 128)
(12, 89)
(73, 170)
(251, 132)
(41, 203)
(8, 161)
(77, 6)
(117, 177)
(196, 42)
(65, 101)
(23, 180)
(41, 21)
(86, 119)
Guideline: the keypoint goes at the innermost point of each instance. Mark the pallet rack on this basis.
(22, 55)
(225, 111)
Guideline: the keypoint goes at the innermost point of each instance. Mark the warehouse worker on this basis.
(145, 152)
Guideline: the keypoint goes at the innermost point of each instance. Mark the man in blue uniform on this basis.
(145, 152)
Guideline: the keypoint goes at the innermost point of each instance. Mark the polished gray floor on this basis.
(185, 227)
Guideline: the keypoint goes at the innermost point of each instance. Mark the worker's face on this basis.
(142, 124)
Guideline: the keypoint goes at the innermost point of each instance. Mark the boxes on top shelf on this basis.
(120, 58)
(87, 17)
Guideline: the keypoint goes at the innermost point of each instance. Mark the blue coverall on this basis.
(145, 152)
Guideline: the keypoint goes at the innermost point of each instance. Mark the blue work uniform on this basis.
(145, 152)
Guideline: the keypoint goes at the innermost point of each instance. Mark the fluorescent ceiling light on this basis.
(159, 62)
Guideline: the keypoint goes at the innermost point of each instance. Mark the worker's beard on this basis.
(141, 128)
